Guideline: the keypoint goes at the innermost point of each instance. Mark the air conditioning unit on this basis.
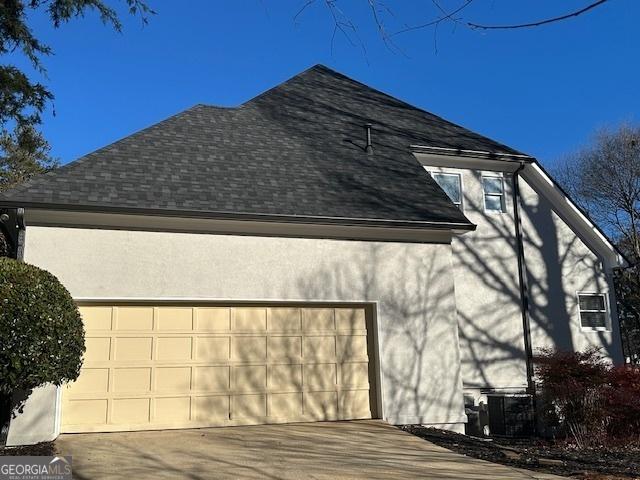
(511, 415)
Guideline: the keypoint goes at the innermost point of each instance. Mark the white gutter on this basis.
(463, 152)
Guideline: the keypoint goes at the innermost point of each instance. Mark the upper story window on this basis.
(593, 311)
(493, 188)
(451, 183)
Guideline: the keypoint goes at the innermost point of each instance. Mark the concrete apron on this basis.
(368, 449)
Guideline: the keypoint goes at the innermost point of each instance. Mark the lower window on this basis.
(593, 311)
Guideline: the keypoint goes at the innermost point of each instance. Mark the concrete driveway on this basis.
(330, 450)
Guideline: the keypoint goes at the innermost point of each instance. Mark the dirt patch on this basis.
(539, 455)
(40, 449)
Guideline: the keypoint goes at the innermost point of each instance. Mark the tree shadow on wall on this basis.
(491, 329)
(413, 290)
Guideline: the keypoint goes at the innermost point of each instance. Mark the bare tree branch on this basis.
(445, 16)
(539, 22)
(382, 14)
(343, 24)
(374, 5)
(302, 10)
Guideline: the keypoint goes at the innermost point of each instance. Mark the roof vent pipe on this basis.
(368, 148)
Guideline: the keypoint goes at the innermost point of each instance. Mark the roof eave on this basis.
(593, 234)
(455, 227)
(460, 152)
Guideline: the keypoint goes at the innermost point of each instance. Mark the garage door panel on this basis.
(322, 376)
(131, 380)
(172, 379)
(354, 374)
(212, 349)
(91, 380)
(133, 318)
(98, 349)
(131, 349)
(285, 348)
(172, 349)
(285, 377)
(211, 379)
(284, 320)
(321, 405)
(286, 405)
(174, 318)
(354, 404)
(213, 409)
(244, 348)
(250, 319)
(350, 319)
(249, 406)
(96, 318)
(319, 347)
(181, 366)
(213, 319)
(131, 410)
(85, 412)
(352, 346)
(318, 319)
(250, 377)
(172, 410)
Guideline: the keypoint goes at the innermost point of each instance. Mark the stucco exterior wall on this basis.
(410, 284)
(487, 290)
(37, 421)
(559, 264)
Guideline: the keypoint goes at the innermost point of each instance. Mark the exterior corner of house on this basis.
(38, 419)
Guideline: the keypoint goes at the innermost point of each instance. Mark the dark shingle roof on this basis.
(294, 151)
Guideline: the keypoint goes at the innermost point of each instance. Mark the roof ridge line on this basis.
(335, 73)
(414, 107)
(284, 82)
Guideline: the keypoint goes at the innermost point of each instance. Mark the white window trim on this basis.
(460, 177)
(607, 312)
(503, 196)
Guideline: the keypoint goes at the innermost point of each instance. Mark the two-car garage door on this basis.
(181, 366)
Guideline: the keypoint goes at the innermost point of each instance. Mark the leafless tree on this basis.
(437, 12)
(604, 179)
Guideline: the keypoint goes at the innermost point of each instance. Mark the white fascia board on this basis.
(535, 175)
(461, 152)
(469, 163)
(115, 221)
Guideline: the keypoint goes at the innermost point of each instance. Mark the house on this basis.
(323, 251)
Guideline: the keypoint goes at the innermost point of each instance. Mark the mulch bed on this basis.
(540, 455)
(44, 448)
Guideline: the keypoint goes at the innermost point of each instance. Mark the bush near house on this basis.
(595, 408)
(41, 330)
(589, 401)
(4, 246)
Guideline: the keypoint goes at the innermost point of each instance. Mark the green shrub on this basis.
(4, 245)
(41, 331)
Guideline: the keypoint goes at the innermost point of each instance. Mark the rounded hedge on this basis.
(41, 331)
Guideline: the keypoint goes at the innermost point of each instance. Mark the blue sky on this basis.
(543, 90)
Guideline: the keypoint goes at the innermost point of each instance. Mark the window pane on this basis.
(493, 203)
(591, 302)
(492, 184)
(593, 319)
(450, 184)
